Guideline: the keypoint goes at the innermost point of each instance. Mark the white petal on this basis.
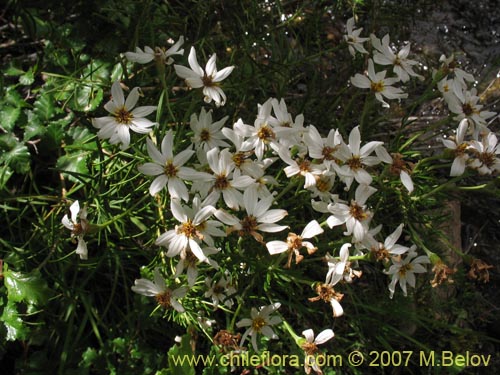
(324, 336)
(117, 94)
(276, 247)
(312, 229)
(407, 181)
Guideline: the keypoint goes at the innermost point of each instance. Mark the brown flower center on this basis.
(309, 348)
(468, 109)
(205, 135)
(357, 212)
(221, 182)
(355, 163)
(377, 86)
(265, 133)
(188, 229)
(164, 298)
(258, 323)
(170, 169)
(123, 116)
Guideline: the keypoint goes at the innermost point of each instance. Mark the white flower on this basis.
(264, 134)
(353, 39)
(449, 89)
(388, 249)
(260, 322)
(485, 154)
(355, 158)
(378, 84)
(384, 55)
(190, 264)
(209, 78)
(403, 271)
(320, 148)
(169, 169)
(355, 215)
(465, 105)
(259, 217)
(189, 233)
(157, 288)
(243, 162)
(295, 242)
(337, 266)
(222, 182)
(160, 54)
(302, 167)
(221, 290)
(291, 132)
(77, 228)
(207, 134)
(124, 117)
(459, 147)
(310, 347)
(450, 65)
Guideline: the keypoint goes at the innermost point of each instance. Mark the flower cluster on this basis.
(225, 187)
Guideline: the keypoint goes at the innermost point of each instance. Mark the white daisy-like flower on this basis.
(320, 148)
(78, 225)
(207, 134)
(157, 288)
(189, 233)
(403, 271)
(398, 166)
(400, 62)
(260, 322)
(459, 147)
(465, 105)
(124, 117)
(337, 267)
(243, 162)
(263, 135)
(451, 66)
(190, 264)
(355, 158)
(259, 217)
(354, 41)
(220, 291)
(378, 84)
(169, 168)
(303, 167)
(208, 78)
(296, 242)
(222, 182)
(311, 350)
(485, 153)
(388, 249)
(160, 54)
(355, 216)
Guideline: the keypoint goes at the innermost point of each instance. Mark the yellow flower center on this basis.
(357, 211)
(170, 169)
(377, 86)
(188, 229)
(265, 133)
(221, 182)
(355, 163)
(258, 323)
(123, 116)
